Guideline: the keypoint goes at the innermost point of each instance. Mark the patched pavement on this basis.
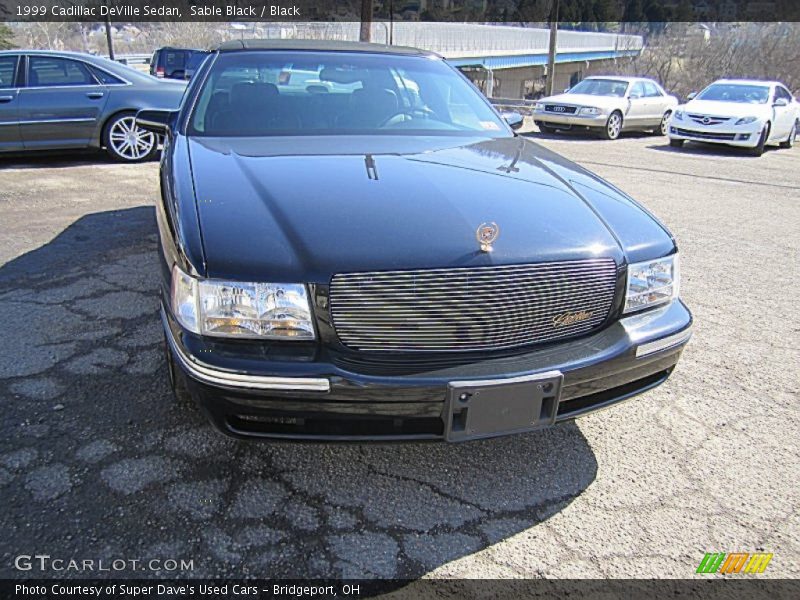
(97, 462)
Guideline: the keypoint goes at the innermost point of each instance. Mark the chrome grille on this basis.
(462, 309)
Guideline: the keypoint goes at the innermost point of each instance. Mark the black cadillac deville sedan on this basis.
(356, 246)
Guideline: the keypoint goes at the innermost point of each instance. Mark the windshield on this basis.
(321, 93)
(732, 92)
(601, 87)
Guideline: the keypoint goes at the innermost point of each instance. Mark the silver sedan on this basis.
(608, 105)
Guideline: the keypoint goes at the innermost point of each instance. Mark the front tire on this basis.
(613, 126)
(664, 125)
(545, 128)
(676, 143)
(125, 141)
(762, 142)
(790, 140)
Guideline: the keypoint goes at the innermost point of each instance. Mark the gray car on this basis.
(66, 100)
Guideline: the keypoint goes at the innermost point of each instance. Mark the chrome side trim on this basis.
(212, 376)
(76, 120)
(664, 343)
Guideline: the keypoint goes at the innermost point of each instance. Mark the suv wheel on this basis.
(127, 142)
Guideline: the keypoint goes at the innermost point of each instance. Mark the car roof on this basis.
(322, 46)
(749, 82)
(619, 78)
(102, 62)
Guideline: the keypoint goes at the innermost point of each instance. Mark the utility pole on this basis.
(366, 21)
(551, 54)
(108, 34)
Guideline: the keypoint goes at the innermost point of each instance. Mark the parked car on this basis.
(738, 112)
(65, 100)
(176, 63)
(608, 105)
(386, 261)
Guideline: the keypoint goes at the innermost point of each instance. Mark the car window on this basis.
(651, 90)
(781, 92)
(637, 90)
(735, 92)
(601, 87)
(54, 71)
(321, 93)
(105, 77)
(8, 68)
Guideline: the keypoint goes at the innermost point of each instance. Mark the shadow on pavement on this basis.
(580, 135)
(97, 462)
(702, 149)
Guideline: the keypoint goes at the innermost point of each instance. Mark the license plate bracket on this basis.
(489, 408)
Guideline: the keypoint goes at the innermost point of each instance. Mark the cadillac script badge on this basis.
(487, 233)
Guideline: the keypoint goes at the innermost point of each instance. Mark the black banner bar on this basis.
(711, 588)
(570, 12)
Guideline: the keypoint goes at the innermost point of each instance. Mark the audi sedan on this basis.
(608, 106)
(388, 260)
(66, 100)
(746, 113)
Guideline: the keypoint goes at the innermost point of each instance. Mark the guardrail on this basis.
(522, 106)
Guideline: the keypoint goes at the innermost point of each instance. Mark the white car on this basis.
(608, 105)
(738, 112)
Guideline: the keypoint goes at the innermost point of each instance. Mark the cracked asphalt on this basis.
(97, 462)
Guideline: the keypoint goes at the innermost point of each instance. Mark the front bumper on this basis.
(575, 120)
(341, 398)
(745, 136)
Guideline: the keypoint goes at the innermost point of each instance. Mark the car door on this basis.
(784, 116)
(9, 103)
(637, 113)
(61, 103)
(656, 104)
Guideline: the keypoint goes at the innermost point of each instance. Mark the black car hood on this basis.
(304, 208)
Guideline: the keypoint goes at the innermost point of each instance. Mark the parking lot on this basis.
(97, 462)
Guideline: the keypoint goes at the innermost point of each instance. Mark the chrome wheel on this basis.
(127, 141)
(664, 122)
(614, 126)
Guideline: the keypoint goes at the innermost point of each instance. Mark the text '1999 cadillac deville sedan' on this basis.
(355, 246)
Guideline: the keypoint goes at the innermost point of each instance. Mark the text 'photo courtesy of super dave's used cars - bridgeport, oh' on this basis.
(357, 260)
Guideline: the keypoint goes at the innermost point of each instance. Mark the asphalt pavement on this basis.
(97, 462)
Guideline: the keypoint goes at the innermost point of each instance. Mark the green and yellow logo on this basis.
(734, 562)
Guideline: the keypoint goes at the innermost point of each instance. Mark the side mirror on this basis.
(157, 121)
(691, 95)
(514, 119)
(566, 90)
(781, 102)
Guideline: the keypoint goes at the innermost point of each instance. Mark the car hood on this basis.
(585, 100)
(726, 109)
(305, 208)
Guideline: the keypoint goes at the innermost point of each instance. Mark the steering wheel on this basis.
(401, 115)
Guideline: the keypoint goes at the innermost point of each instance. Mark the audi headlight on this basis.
(589, 110)
(746, 120)
(241, 309)
(538, 107)
(678, 115)
(652, 282)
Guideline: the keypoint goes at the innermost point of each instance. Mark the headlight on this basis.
(746, 120)
(589, 110)
(539, 106)
(652, 282)
(678, 114)
(241, 309)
